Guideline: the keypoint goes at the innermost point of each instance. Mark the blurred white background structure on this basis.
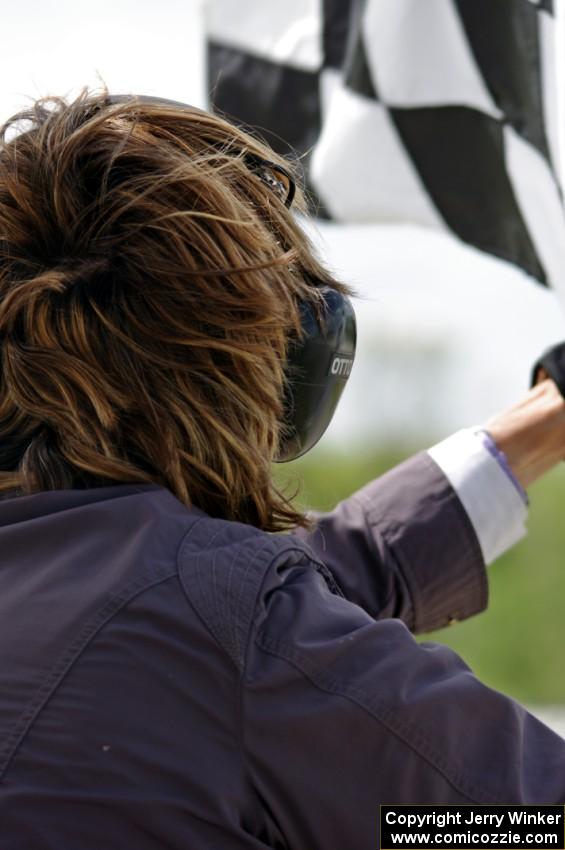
(446, 334)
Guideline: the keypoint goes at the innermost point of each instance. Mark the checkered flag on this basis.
(443, 113)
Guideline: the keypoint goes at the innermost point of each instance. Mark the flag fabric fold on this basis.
(443, 113)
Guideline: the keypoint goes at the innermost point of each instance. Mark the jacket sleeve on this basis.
(404, 547)
(342, 712)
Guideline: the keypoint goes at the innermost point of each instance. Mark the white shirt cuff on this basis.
(492, 502)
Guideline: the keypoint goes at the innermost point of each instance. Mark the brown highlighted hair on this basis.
(149, 285)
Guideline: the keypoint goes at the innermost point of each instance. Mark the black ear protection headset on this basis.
(319, 363)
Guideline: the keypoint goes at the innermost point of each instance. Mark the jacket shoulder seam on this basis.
(69, 657)
(409, 734)
(112, 606)
(224, 589)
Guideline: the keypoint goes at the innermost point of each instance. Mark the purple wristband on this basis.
(502, 461)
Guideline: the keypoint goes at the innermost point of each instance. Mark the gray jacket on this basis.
(169, 680)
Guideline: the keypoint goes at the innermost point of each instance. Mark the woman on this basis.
(172, 674)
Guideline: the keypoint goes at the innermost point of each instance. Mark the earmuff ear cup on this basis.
(317, 370)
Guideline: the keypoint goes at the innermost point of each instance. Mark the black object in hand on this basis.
(553, 361)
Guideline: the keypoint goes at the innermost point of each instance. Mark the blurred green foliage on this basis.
(517, 645)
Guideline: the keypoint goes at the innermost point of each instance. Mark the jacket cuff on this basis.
(424, 524)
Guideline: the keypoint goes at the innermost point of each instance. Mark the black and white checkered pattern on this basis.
(443, 113)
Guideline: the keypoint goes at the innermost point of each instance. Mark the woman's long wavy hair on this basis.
(149, 286)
